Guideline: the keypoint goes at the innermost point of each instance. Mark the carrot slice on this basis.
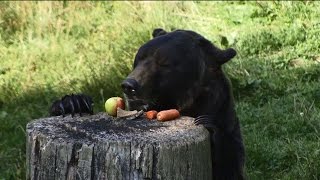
(151, 114)
(168, 115)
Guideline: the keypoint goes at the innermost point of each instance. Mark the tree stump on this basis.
(100, 147)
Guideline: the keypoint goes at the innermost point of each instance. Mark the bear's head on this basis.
(170, 66)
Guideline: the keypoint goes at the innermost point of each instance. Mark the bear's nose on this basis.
(130, 86)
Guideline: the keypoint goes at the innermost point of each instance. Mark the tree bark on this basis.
(100, 147)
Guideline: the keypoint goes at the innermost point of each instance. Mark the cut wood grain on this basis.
(99, 147)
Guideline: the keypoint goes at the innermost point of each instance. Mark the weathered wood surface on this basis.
(98, 147)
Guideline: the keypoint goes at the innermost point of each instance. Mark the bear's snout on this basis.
(130, 86)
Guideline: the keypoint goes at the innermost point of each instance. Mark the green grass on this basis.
(48, 49)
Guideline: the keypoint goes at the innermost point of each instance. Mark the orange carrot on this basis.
(168, 115)
(151, 114)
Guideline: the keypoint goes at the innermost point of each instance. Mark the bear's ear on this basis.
(218, 55)
(158, 32)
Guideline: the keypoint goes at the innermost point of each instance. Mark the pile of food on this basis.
(115, 107)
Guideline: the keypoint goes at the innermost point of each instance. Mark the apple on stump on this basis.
(112, 104)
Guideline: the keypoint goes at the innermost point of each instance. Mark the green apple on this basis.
(112, 104)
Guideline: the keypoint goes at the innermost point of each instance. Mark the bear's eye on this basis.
(163, 63)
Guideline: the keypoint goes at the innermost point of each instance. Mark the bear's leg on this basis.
(227, 150)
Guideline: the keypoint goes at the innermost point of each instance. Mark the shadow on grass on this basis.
(262, 86)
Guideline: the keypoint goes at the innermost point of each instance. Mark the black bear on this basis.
(182, 70)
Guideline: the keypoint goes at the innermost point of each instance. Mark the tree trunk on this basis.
(100, 147)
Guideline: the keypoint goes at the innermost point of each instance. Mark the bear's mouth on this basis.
(134, 103)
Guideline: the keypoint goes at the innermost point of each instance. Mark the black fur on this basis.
(71, 104)
(182, 70)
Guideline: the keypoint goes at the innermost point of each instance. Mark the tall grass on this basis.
(48, 49)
